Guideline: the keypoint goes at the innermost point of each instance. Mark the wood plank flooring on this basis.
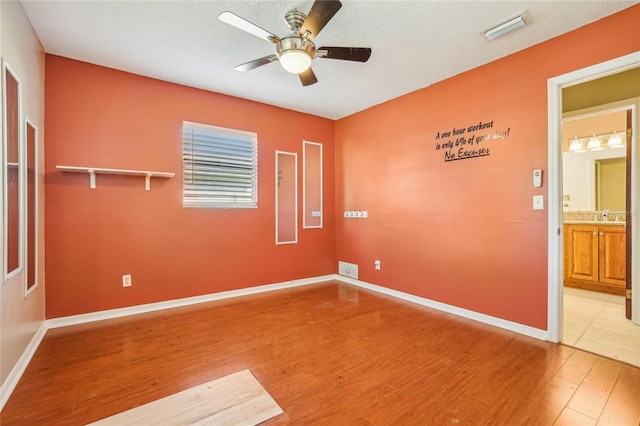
(329, 353)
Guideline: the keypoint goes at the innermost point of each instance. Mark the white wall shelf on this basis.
(97, 170)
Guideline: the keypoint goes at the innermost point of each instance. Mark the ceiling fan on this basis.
(296, 51)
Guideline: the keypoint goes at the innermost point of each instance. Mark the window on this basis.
(220, 167)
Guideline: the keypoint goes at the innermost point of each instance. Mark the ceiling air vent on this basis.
(505, 28)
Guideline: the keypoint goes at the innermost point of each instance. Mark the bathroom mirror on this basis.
(312, 184)
(286, 197)
(593, 160)
(592, 180)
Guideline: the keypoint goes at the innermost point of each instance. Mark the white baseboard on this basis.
(151, 307)
(16, 372)
(465, 313)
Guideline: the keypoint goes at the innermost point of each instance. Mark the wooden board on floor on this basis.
(231, 400)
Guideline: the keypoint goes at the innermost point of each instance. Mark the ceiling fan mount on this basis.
(295, 19)
(297, 51)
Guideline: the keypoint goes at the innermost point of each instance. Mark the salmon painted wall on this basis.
(101, 117)
(464, 232)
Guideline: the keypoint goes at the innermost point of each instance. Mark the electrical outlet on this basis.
(376, 264)
(126, 280)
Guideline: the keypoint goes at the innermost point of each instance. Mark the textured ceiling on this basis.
(415, 43)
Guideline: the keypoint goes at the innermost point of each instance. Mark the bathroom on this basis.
(596, 186)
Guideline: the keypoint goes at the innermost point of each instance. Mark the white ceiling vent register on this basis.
(505, 28)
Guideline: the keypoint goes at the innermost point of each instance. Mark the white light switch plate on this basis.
(538, 202)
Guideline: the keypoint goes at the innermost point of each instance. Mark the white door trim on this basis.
(555, 255)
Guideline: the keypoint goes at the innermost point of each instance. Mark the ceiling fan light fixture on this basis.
(295, 53)
(295, 61)
(505, 28)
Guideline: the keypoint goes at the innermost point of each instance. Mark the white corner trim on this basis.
(16, 372)
(461, 312)
(152, 307)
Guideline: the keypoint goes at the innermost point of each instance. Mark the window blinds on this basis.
(219, 167)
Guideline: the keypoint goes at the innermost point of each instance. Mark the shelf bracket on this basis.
(147, 182)
(92, 179)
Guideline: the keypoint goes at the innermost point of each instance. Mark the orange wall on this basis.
(459, 232)
(106, 118)
(463, 232)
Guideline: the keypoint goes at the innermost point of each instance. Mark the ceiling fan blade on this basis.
(359, 54)
(308, 77)
(256, 63)
(321, 12)
(244, 25)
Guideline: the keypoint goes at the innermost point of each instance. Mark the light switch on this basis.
(538, 202)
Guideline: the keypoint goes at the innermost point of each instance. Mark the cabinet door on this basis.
(613, 255)
(582, 259)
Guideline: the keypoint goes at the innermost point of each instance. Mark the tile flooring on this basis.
(595, 322)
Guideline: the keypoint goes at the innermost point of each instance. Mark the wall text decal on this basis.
(467, 144)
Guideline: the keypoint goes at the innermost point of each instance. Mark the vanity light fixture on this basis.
(576, 145)
(594, 144)
(615, 141)
(505, 28)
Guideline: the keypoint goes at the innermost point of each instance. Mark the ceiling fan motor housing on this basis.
(297, 43)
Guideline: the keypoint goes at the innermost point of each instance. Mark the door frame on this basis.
(554, 231)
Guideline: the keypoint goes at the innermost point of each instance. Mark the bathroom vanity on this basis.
(595, 254)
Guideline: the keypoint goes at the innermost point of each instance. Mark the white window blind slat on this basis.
(219, 167)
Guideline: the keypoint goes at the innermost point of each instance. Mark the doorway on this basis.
(555, 224)
(595, 188)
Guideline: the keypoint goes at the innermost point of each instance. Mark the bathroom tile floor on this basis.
(595, 322)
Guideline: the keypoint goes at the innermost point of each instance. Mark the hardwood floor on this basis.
(329, 353)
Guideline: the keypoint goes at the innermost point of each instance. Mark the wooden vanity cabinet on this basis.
(612, 240)
(594, 257)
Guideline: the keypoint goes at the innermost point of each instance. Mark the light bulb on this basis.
(295, 61)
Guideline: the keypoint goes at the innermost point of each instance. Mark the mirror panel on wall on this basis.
(286, 197)
(32, 207)
(12, 174)
(312, 185)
